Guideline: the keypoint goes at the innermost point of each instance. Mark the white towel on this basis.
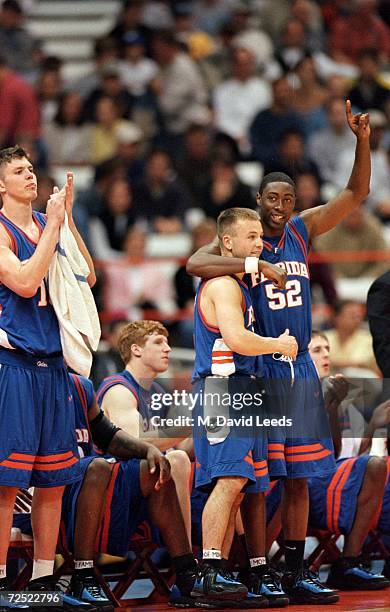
(73, 303)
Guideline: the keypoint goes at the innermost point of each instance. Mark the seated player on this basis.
(126, 400)
(231, 462)
(348, 501)
(114, 497)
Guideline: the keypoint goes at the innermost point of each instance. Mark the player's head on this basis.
(240, 233)
(145, 342)
(276, 198)
(17, 178)
(319, 352)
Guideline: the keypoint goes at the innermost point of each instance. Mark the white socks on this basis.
(42, 567)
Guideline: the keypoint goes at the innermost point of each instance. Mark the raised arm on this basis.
(323, 218)
(25, 277)
(72, 226)
(226, 297)
(207, 262)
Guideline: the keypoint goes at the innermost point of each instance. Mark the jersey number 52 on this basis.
(290, 297)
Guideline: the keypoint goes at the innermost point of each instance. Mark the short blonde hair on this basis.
(229, 217)
(137, 332)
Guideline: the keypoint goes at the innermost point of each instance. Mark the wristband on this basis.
(251, 265)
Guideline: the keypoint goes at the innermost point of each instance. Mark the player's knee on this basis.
(180, 463)
(376, 470)
(295, 487)
(98, 473)
(8, 494)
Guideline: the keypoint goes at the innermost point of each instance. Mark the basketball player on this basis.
(348, 501)
(38, 445)
(231, 462)
(126, 399)
(286, 243)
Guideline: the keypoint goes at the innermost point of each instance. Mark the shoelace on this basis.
(312, 578)
(94, 589)
(271, 581)
(279, 357)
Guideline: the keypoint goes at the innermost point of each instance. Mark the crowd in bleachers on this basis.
(187, 105)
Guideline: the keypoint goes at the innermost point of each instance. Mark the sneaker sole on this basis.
(278, 602)
(223, 596)
(321, 601)
(360, 587)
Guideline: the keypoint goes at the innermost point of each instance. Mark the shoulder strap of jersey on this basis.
(9, 228)
(112, 381)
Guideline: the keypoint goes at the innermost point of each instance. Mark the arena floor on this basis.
(363, 601)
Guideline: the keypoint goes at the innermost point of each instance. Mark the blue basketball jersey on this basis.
(27, 324)
(82, 396)
(276, 309)
(144, 397)
(213, 357)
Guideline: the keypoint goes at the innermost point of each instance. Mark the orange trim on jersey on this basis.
(56, 466)
(222, 361)
(276, 446)
(290, 450)
(337, 491)
(14, 244)
(248, 460)
(107, 510)
(83, 399)
(275, 455)
(22, 457)
(17, 466)
(197, 464)
(309, 456)
(329, 494)
(53, 458)
(222, 353)
(209, 326)
(262, 472)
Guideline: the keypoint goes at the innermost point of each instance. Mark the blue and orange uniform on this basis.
(305, 449)
(226, 376)
(37, 441)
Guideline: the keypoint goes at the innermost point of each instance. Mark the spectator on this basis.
(194, 166)
(49, 89)
(19, 116)
(112, 87)
(210, 15)
(135, 69)
(360, 231)
(309, 14)
(105, 54)
(292, 158)
(68, 137)
(186, 285)
(309, 96)
(21, 51)
(108, 362)
(109, 230)
(129, 139)
(126, 289)
(237, 100)
(325, 147)
(361, 29)
(129, 20)
(46, 185)
(216, 67)
(91, 199)
(249, 37)
(182, 95)
(369, 91)
(160, 198)
(350, 343)
(198, 44)
(378, 200)
(104, 134)
(270, 124)
(225, 189)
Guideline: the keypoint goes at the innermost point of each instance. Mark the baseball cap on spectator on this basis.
(133, 38)
(377, 118)
(128, 133)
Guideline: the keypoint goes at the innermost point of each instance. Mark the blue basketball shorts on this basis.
(38, 444)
